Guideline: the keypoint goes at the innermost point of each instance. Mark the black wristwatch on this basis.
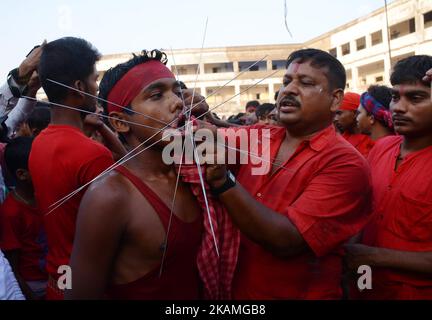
(228, 184)
(17, 89)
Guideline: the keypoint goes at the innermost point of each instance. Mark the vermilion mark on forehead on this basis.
(295, 67)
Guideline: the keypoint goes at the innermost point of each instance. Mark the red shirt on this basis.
(402, 218)
(62, 159)
(361, 142)
(21, 228)
(325, 192)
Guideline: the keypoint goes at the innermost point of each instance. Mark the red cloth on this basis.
(363, 143)
(216, 272)
(21, 228)
(136, 79)
(180, 278)
(350, 101)
(402, 218)
(62, 159)
(324, 190)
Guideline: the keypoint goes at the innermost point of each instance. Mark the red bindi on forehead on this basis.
(294, 67)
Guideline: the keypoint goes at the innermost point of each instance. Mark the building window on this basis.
(376, 38)
(278, 64)
(347, 85)
(333, 52)
(361, 43)
(402, 29)
(258, 95)
(185, 69)
(379, 79)
(260, 66)
(345, 49)
(427, 18)
(218, 67)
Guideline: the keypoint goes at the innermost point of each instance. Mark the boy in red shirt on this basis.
(21, 225)
(62, 158)
(397, 243)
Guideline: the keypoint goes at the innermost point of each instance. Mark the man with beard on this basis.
(397, 243)
(295, 217)
(62, 158)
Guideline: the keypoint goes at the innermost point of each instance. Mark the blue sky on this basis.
(132, 25)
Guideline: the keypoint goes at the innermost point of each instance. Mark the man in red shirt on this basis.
(62, 158)
(21, 230)
(345, 122)
(397, 243)
(315, 196)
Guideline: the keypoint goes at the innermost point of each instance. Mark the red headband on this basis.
(136, 79)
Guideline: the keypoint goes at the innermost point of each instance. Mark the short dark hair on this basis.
(39, 119)
(264, 109)
(253, 103)
(411, 70)
(336, 74)
(65, 60)
(113, 75)
(17, 153)
(382, 94)
(182, 85)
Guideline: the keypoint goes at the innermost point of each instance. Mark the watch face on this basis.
(231, 176)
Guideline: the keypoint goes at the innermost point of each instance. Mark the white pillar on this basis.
(203, 91)
(368, 41)
(235, 66)
(355, 79)
(201, 68)
(271, 92)
(387, 69)
(269, 65)
(238, 95)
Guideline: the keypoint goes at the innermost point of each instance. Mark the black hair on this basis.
(264, 109)
(39, 119)
(253, 103)
(182, 85)
(411, 70)
(113, 75)
(335, 74)
(17, 153)
(236, 119)
(276, 95)
(65, 60)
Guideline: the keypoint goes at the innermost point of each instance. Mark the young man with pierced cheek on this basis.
(397, 243)
(295, 217)
(134, 200)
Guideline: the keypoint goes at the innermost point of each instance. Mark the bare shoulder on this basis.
(109, 195)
